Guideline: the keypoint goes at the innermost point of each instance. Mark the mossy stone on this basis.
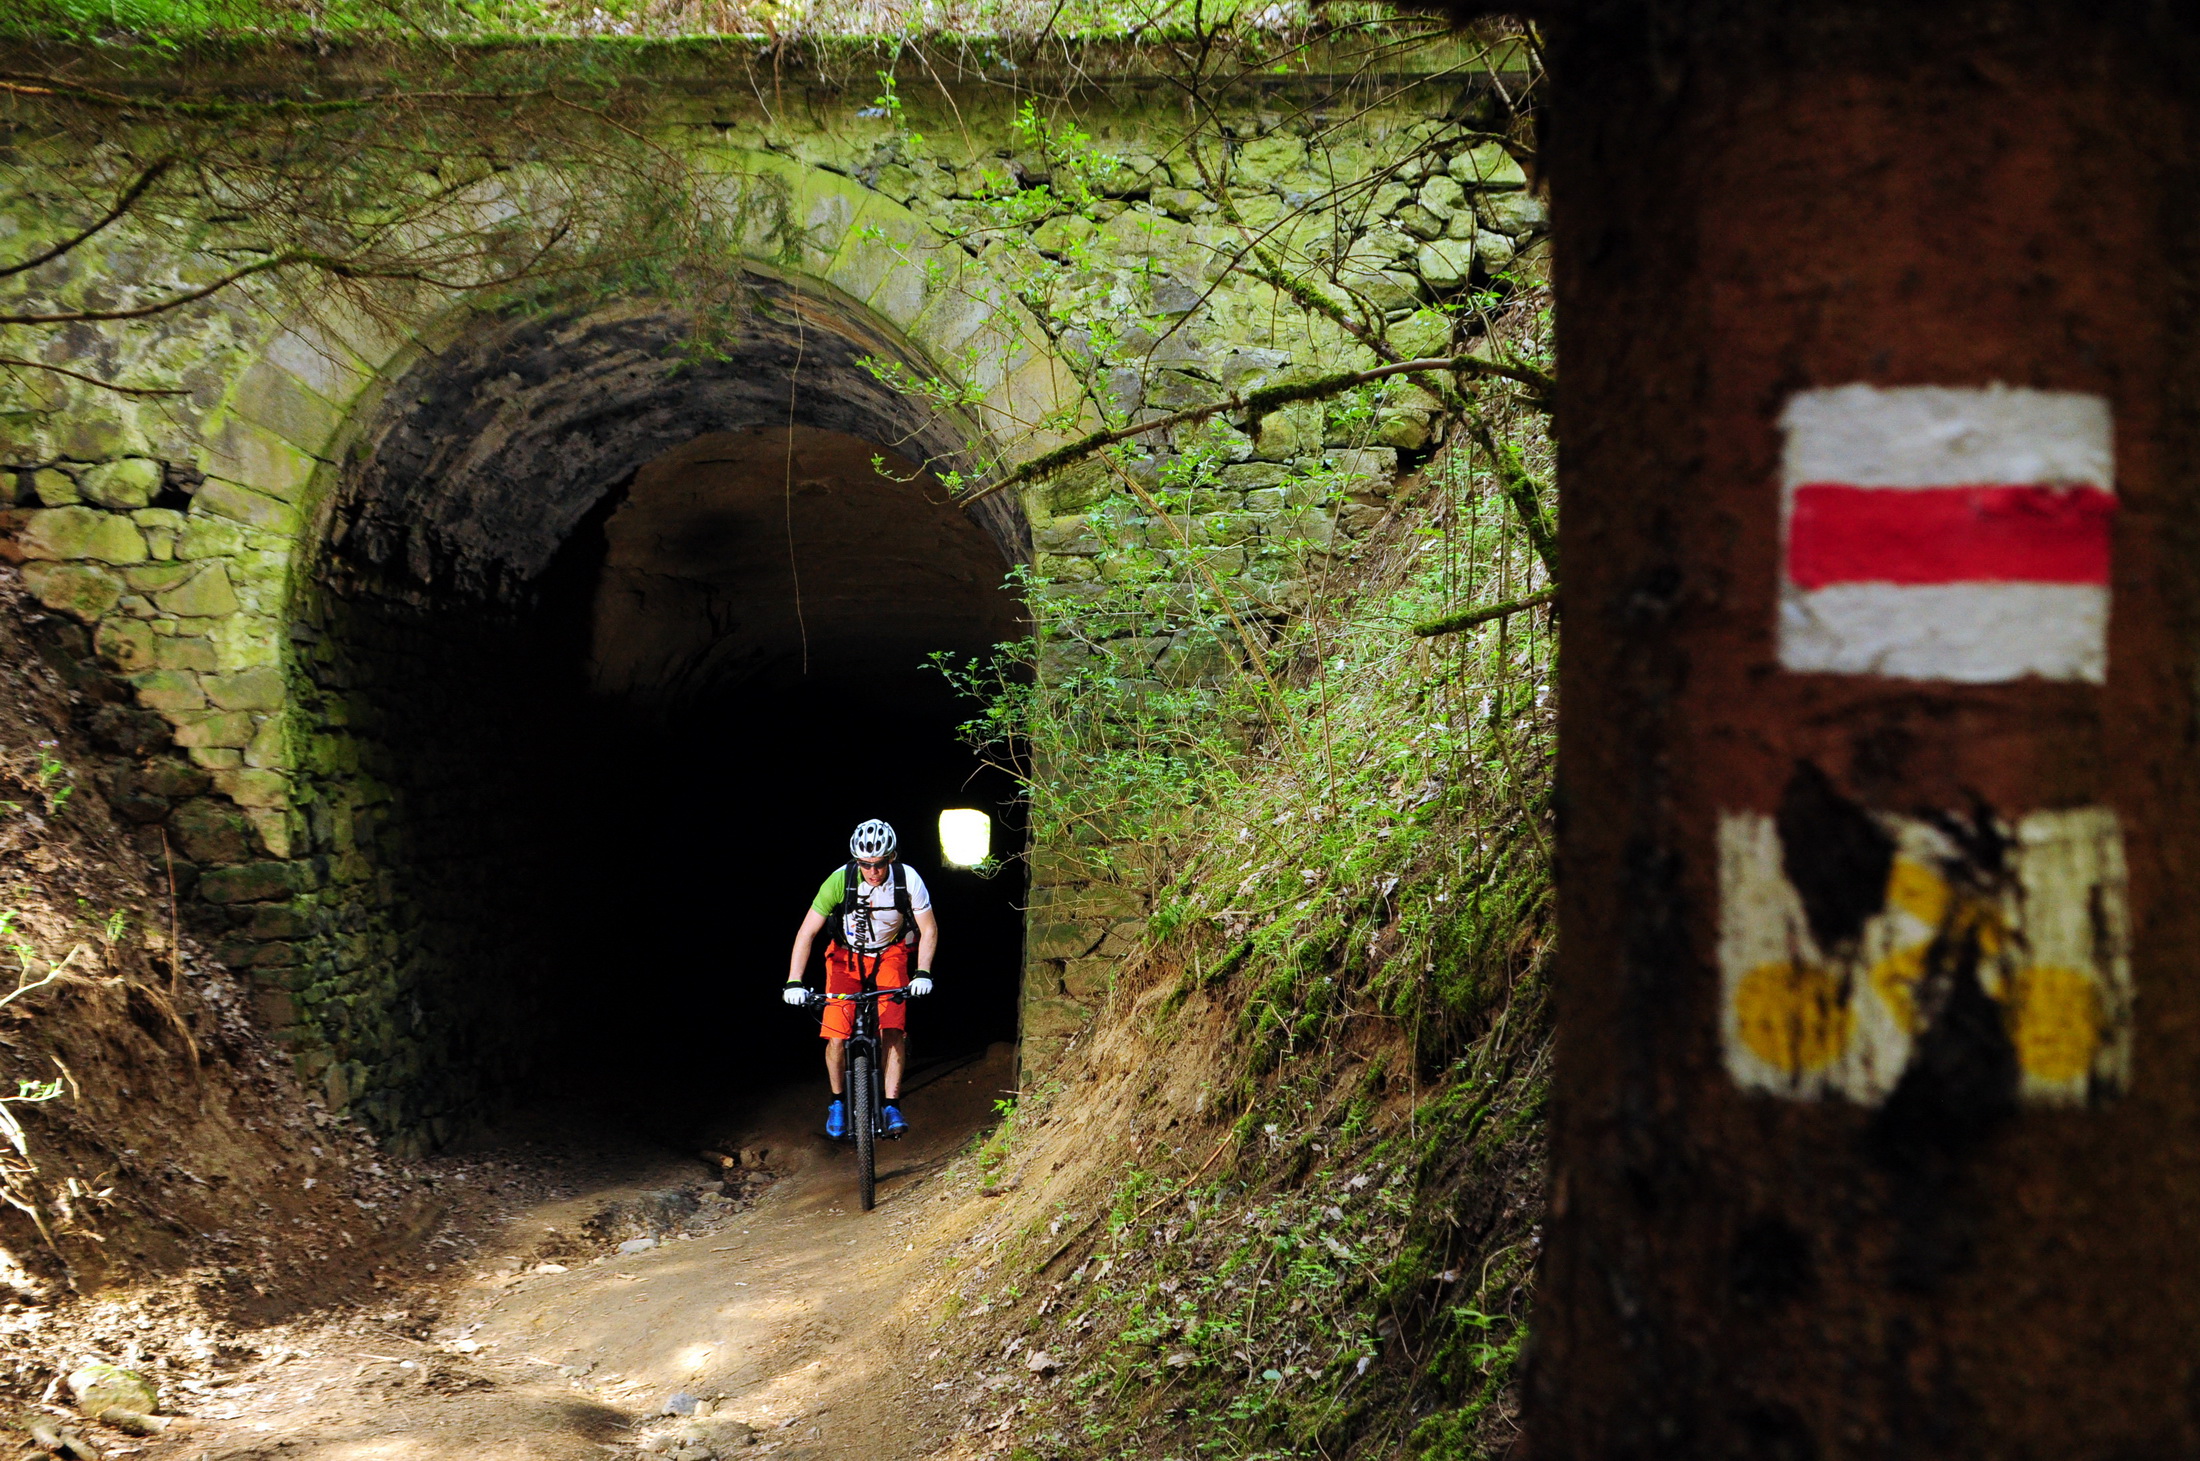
(101, 1390)
(83, 532)
(183, 652)
(1254, 475)
(1072, 533)
(1064, 234)
(123, 486)
(1061, 940)
(253, 786)
(1513, 214)
(267, 748)
(54, 487)
(205, 595)
(1266, 161)
(212, 832)
(259, 688)
(172, 779)
(126, 645)
(1443, 196)
(1445, 263)
(154, 578)
(1488, 167)
(231, 729)
(171, 690)
(1183, 202)
(243, 505)
(77, 589)
(207, 537)
(1288, 432)
(254, 882)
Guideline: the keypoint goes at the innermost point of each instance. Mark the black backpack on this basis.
(848, 905)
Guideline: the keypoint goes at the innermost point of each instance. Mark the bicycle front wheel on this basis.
(863, 1115)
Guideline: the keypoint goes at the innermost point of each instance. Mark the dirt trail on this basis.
(784, 1326)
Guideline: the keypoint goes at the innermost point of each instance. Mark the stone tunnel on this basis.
(603, 650)
(501, 682)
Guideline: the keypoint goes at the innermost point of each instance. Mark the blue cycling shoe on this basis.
(836, 1119)
(895, 1125)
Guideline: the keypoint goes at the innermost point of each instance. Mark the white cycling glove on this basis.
(796, 994)
(919, 987)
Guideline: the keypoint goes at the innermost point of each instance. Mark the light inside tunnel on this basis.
(966, 837)
(618, 668)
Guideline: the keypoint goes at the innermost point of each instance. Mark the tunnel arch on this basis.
(218, 737)
(487, 453)
(565, 666)
(475, 464)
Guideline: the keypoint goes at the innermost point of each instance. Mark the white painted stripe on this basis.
(1941, 436)
(1972, 633)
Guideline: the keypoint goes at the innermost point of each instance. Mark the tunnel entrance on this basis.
(756, 612)
(604, 704)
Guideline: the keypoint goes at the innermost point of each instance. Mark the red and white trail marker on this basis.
(1933, 533)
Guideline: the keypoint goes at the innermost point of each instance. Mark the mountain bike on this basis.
(866, 1081)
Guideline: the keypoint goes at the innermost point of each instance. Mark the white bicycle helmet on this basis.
(873, 839)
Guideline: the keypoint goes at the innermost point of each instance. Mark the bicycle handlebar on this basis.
(897, 995)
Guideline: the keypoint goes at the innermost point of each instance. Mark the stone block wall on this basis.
(1092, 268)
(1142, 273)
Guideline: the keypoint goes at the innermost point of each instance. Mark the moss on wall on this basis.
(1020, 262)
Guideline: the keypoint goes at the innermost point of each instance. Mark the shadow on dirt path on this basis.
(771, 1326)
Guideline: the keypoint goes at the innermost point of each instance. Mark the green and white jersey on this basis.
(874, 922)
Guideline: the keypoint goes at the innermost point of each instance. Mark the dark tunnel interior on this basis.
(620, 733)
(730, 799)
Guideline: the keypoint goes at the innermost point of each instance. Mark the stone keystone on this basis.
(205, 595)
(83, 532)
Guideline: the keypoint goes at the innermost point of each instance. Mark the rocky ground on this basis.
(578, 1295)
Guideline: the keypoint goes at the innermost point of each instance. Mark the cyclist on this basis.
(872, 902)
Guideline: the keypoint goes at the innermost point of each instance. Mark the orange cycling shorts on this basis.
(889, 969)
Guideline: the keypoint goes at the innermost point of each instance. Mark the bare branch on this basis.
(130, 195)
(161, 306)
(1257, 402)
(341, 268)
(9, 362)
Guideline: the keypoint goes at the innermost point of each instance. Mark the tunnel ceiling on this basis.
(488, 453)
(742, 551)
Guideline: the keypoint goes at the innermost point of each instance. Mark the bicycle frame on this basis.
(865, 1075)
(865, 1041)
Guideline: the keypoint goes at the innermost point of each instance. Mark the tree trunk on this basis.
(1876, 1123)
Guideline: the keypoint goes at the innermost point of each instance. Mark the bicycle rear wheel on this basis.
(863, 1116)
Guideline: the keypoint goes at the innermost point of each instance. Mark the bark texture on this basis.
(1752, 200)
